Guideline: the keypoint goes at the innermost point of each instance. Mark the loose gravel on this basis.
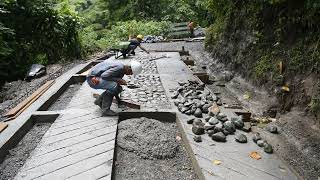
(19, 154)
(150, 149)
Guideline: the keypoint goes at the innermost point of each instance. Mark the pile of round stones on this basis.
(192, 99)
(149, 94)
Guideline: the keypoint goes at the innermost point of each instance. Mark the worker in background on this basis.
(108, 75)
(134, 43)
(191, 26)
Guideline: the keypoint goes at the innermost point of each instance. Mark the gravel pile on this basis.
(148, 138)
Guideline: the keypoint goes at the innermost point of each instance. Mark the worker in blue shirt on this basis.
(108, 75)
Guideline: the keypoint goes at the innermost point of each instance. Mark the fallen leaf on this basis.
(255, 155)
(216, 162)
(246, 96)
(285, 88)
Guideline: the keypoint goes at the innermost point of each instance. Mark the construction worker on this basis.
(191, 26)
(134, 43)
(108, 75)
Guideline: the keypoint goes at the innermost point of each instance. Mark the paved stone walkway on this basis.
(78, 145)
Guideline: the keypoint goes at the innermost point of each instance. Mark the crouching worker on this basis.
(108, 75)
(134, 43)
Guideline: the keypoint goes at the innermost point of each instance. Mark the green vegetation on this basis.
(47, 31)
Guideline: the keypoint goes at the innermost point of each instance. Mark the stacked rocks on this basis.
(191, 99)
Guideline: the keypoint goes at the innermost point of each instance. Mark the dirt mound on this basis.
(148, 138)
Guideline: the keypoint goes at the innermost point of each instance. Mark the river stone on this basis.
(190, 121)
(208, 126)
(241, 138)
(268, 148)
(193, 109)
(229, 126)
(198, 129)
(197, 139)
(210, 132)
(238, 123)
(188, 103)
(188, 112)
(181, 83)
(175, 95)
(218, 127)
(176, 102)
(261, 143)
(213, 121)
(272, 129)
(198, 113)
(224, 119)
(256, 137)
(246, 127)
(220, 116)
(184, 109)
(205, 108)
(219, 137)
(225, 132)
(197, 121)
(207, 118)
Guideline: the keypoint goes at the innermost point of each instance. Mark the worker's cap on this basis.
(136, 67)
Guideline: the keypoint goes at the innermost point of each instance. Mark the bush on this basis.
(34, 32)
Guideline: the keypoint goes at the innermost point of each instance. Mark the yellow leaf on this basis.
(255, 155)
(216, 162)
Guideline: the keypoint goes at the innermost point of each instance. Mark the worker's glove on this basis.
(95, 80)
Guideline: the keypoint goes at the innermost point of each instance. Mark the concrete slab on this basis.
(236, 162)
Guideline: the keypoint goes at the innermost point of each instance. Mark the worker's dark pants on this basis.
(130, 50)
(191, 33)
(112, 90)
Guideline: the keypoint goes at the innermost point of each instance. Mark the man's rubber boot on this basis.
(98, 100)
(106, 104)
(120, 104)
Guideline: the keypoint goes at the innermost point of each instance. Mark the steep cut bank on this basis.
(273, 44)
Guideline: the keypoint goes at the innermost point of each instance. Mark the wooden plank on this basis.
(86, 72)
(21, 105)
(3, 126)
(32, 101)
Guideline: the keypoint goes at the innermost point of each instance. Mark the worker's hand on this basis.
(95, 80)
(122, 82)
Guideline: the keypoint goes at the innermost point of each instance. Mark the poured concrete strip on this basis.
(79, 144)
(19, 126)
(236, 162)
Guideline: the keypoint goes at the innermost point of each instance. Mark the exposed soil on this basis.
(62, 102)
(19, 154)
(149, 149)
